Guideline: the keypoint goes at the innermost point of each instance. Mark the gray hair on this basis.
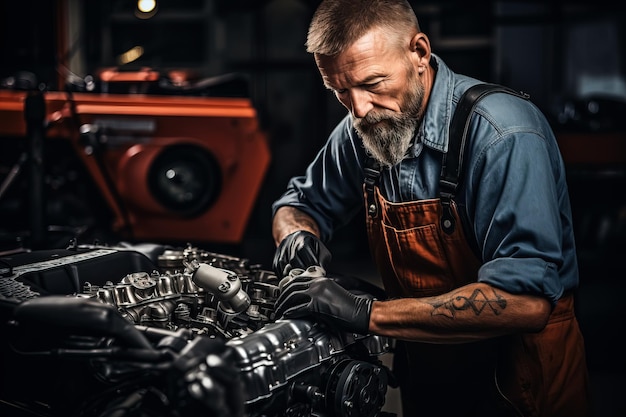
(337, 24)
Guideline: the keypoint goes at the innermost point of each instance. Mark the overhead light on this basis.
(146, 9)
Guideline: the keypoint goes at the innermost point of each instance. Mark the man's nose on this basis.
(360, 103)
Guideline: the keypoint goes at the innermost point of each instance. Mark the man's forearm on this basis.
(473, 312)
(288, 220)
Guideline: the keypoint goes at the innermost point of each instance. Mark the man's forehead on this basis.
(358, 64)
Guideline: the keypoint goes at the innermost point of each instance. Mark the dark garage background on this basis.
(569, 56)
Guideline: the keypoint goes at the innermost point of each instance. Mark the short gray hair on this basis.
(337, 24)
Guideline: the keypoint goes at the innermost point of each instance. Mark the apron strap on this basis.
(452, 162)
(372, 173)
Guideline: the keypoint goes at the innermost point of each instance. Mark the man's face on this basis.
(378, 84)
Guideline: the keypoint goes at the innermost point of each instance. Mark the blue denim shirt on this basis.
(513, 199)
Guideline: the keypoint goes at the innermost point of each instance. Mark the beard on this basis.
(386, 134)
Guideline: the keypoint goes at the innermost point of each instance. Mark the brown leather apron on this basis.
(538, 374)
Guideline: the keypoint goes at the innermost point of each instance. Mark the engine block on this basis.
(288, 367)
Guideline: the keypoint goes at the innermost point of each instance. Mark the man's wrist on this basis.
(363, 315)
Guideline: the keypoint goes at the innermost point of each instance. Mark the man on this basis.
(479, 285)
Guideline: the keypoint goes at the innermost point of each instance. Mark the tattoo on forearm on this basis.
(477, 302)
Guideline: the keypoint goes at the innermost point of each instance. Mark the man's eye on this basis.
(371, 86)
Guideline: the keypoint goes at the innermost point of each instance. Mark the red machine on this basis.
(175, 168)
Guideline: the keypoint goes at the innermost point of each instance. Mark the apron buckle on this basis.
(447, 221)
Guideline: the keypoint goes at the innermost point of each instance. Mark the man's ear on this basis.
(420, 46)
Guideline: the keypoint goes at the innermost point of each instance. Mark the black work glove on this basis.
(326, 300)
(300, 249)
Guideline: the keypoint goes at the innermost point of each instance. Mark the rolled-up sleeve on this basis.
(517, 215)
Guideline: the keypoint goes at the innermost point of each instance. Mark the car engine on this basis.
(153, 330)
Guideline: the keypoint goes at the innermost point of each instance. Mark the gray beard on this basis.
(389, 140)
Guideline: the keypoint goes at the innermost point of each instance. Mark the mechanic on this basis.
(480, 285)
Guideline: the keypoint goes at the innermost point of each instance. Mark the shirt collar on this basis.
(433, 131)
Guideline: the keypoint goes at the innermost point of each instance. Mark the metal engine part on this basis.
(212, 294)
(288, 367)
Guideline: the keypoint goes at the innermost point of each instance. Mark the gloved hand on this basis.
(326, 300)
(300, 249)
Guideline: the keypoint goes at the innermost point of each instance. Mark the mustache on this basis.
(376, 116)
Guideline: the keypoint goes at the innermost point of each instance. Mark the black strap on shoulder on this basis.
(452, 163)
(372, 173)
